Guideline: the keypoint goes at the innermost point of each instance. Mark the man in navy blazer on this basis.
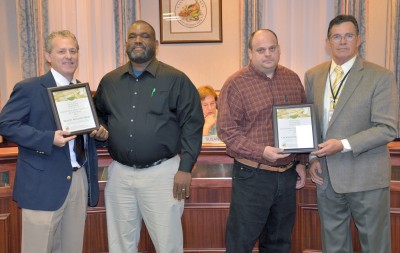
(51, 186)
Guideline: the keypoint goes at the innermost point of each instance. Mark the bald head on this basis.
(250, 41)
(264, 51)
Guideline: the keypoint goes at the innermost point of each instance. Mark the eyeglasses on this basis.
(262, 50)
(348, 37)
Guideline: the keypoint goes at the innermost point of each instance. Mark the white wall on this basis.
(204, 63)
(92, 22)
(377, 32)
(301, 27)
(212, 63)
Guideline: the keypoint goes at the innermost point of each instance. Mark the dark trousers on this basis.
(263, 207)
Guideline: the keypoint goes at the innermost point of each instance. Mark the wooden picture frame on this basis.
(190, 21)
(295, 128)
(73, 108)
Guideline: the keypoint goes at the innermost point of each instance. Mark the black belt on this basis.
(141, 166)
(75, 168)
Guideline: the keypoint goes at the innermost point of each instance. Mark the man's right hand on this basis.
(60, 140)
(209, 122)
(316, 171)
(272, 154)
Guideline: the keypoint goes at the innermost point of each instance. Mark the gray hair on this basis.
(48, 45)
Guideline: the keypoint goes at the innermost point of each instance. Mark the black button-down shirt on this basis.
(150, 117)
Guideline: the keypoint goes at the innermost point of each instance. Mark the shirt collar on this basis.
(263, 75)
(151, 68)
(60, 79)
(346, 66)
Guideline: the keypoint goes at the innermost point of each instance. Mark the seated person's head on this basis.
(208, 98)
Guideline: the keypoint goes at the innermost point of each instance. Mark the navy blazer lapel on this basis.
(353, 80)
(48, 81)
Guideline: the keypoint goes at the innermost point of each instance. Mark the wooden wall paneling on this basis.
(5, 231)
(395, 215)
(205, 214)
(10, 223)
(309, 225)
(10, 214)
(395, 229)
(95, 239)
(204, 227)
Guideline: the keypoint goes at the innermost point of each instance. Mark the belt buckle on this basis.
(286, 167)
(75, 168)
(149, 165)
(279, 169)
(137, 166)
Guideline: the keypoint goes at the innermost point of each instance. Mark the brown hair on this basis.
(205, 91)
(341, 19)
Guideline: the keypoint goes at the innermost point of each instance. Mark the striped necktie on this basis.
(335, 86)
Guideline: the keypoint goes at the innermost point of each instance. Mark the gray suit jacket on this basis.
(367, 116)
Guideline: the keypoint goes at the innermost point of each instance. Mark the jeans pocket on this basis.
(242, 172)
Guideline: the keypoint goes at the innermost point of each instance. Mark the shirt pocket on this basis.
(159, 102)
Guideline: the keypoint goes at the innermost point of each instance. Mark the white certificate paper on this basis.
(294, 128)
(73, 108)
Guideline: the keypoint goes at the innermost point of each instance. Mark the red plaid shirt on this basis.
(245, 111)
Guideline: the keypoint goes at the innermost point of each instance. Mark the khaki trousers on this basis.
(59, 231)
(133, 195)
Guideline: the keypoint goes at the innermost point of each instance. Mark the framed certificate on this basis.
(73, 108)
(295, 128)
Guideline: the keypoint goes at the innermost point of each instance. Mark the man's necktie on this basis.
(335, 86)
(79, 149)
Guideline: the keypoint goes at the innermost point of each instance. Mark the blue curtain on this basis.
(32, 29)
(125, 12)
(251, 20)
(395, 41)
(357, 8)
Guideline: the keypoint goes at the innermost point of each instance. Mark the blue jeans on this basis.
(263, 207)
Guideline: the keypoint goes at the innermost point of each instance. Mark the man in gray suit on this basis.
(357, 106)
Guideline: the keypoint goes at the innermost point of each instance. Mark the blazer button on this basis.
(69, 178)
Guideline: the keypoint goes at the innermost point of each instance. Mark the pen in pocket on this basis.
(153, 91)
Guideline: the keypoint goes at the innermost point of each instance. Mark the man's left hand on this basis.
(301, 179)
(329, 147)
(100, 134)
(182, 185)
